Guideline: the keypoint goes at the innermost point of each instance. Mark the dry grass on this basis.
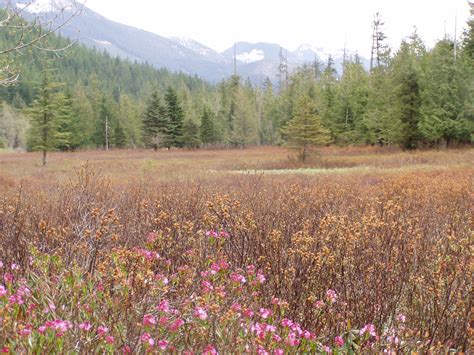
(392, 234)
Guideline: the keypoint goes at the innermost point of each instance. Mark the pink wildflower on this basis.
(307, 334)
(265, 313)
(15, 266)
(163, 344)
(200, 313)
(15, 299)
(401, 318)
(25, 331)
(163, 321)
(261, 278)
(8, 277)
(368, 328)
(319, 304)
(237, 278)
(42, 329)
(5, 350)
(210, 350)
(109, 339)
(207, 286)
(332, 295)
(164, 306)
(236, 307)
(3, 291)
(278, 352)
(339, 341)
(223, 264)
(86, 326)
(248, 313)
(102, 330)
(176, 325)
(292, 340)
(149, 320)
(146, 338)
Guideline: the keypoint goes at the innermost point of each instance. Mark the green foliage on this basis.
(444, 94)
(412, 98)
(46, 122)
(191, 134)
(156, 124)
(208, 129)
(175, 118)
(305, 129)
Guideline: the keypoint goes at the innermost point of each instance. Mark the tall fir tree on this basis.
(208, 129)
(405, 81)
(191, 134)
(156, 124)
(175, 116)
(305, 131)
(44, 132)
(445, 90)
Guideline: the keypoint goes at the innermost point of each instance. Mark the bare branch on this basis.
(31, 32)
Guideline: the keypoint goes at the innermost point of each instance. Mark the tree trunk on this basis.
(44, 157)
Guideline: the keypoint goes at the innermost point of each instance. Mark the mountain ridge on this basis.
(257, 61)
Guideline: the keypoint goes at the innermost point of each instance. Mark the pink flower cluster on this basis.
(217, 234)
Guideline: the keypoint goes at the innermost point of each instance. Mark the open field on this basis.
(358, 249)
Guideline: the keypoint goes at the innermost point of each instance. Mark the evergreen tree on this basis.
(175, 116)
(350, 106)
(245, 129)
(444, 94)
(468, 41)
(119, 138)
(129, 119)
(43, 135)
(191, 137)
(103, 133)
(156, 124)
(305, 130)
(406, 73)
(67, 123)
(208, 130)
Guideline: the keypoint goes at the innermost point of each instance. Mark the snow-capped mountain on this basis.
(45, 6)
(201, 49)
(256, 61)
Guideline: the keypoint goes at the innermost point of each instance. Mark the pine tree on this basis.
(119, 138)
(468, 42)
(44, 117)
(305, 130)
(208, 130)
(156, 131)
(175, 115)
(191, 137)
(68, 135)
(350, 105)
(103, 134)
(406, 74)
(444, 98)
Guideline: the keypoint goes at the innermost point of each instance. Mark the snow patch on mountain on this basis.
(105, 43)
(45, 6)
(255, 55)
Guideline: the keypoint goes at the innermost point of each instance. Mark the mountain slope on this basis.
(256, 61)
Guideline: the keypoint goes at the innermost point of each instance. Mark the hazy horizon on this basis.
(320, 24)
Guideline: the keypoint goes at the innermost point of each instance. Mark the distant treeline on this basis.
(413, 97)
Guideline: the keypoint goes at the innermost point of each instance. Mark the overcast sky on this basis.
(323, 23)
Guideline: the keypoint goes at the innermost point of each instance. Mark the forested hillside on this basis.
(412, 97)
